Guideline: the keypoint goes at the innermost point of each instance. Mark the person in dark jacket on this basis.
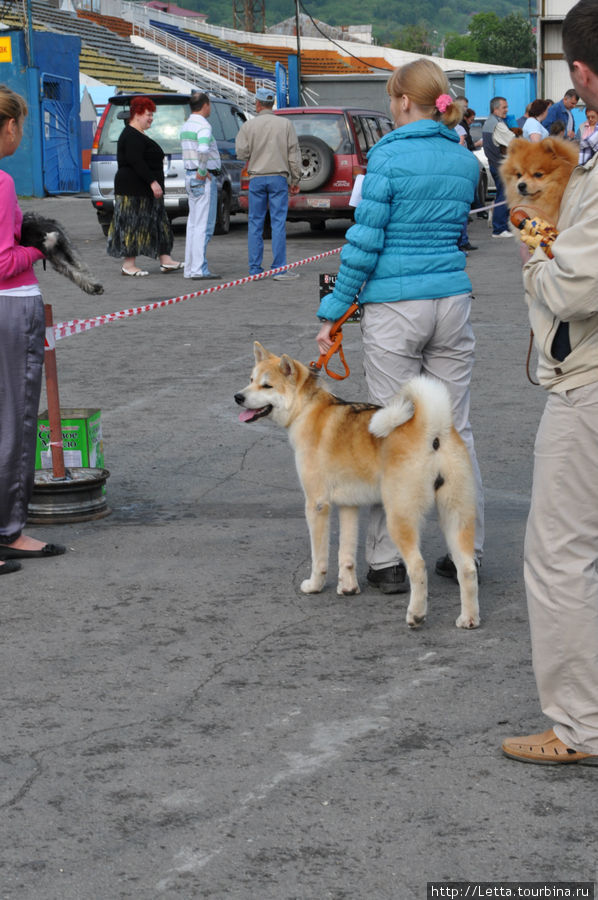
(561, 111)
(140, 225)
(402, 258)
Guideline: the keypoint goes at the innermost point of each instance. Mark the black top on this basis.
(468, 138)
(140, 161)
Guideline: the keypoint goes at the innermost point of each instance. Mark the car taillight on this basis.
(96, 139)
(244, 179)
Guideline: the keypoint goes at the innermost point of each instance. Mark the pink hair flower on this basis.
(443, 102)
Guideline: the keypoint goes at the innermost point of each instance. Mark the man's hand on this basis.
(323, 337)
(295, 189)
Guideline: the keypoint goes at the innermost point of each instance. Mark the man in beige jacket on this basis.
(270, 146)
(561, 544)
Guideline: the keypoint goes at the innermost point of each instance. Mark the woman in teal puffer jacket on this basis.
(403, 261)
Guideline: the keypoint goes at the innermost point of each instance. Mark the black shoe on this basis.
(391, 580)
(469, 220)
(482, 215)
(447, 568)
(467, 247)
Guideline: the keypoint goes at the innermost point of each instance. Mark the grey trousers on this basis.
(415, 337)
(560, 566)
(22, 332)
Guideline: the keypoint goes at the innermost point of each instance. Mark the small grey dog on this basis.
(50, 237)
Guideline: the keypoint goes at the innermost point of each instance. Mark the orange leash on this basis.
(336, 335)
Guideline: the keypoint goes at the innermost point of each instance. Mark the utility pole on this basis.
(249, 15)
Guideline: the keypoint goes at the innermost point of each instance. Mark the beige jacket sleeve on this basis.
(294, 154)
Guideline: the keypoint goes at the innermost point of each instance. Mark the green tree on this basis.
(414, 38)
(507, 42)
(460, 46)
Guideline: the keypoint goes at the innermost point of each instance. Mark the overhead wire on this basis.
(332, 41)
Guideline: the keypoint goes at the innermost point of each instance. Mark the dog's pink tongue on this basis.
(247, 415)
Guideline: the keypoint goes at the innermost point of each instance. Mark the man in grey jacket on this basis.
(496, 136)
(561, 543)
(270, 146)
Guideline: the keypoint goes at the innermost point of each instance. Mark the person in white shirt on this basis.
(533, 129)
(202, 165)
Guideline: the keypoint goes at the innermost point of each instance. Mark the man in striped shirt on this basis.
(202, 164)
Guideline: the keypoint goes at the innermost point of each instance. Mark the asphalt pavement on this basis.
(178, 720)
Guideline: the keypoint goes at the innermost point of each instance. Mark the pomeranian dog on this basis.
(50, 237)
(536, 175)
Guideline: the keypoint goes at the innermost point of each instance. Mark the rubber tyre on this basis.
(104, 224)
(483, 189)
(223, 214)
(317, 162)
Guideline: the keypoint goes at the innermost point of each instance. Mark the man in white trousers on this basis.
(561, 541)
(202, 165)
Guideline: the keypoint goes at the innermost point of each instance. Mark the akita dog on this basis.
(406, 455)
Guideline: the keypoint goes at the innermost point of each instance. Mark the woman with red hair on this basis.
(140, 225)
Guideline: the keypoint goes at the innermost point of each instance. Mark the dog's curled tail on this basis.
(429, 394)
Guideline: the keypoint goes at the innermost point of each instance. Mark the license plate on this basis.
(317, 203)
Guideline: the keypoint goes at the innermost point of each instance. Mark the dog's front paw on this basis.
(468, 621)
(414, 621)
(347, 590)
(313, 585)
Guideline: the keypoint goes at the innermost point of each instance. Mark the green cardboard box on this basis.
(81, 439)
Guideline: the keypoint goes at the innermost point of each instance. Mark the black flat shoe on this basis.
(10, 566)
(7, 552)
(391, 580)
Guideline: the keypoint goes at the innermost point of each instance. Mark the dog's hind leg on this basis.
(456, 512)
(348, 517)
(404, 532)
(317, 514)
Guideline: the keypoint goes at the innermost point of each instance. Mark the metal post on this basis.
(298, 30)
(58, 470)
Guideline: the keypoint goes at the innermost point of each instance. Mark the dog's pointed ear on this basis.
(288, 367)
(260, 352)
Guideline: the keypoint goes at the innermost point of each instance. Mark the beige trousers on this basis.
(561, 556)
(415, 337)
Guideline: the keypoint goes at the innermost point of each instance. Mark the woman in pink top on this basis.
(22, 331)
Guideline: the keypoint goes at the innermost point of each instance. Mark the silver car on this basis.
(171, 112)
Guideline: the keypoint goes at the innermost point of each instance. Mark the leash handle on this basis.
(336, 335)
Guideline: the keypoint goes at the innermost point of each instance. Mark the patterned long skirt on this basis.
(139, 227)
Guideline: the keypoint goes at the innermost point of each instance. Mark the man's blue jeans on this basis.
(500, 214)
(212, 215)
(267, 192)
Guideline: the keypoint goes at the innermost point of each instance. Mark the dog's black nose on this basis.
(522, 187)
(240, 399)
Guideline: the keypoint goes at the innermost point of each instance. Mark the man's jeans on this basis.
(267, 192)
(500, 214)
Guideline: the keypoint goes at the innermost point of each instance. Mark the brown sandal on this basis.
(545, 749)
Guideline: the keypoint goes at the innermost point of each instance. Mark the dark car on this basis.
(171, 112)
(334, 142)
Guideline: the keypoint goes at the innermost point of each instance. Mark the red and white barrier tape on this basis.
(78, 326)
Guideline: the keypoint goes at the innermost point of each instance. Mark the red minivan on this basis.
(334, 142)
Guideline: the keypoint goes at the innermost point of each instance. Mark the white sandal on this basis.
(138, 273)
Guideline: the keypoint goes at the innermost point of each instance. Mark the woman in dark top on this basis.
(140, 224)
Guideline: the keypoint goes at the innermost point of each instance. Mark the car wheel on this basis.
(223, 215)
(483, 189)
(104, 223)
(318, 225)
(317, 162)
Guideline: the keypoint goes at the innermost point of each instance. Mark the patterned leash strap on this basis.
(336, 335)
(534, 232)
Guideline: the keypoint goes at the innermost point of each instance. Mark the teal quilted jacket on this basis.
(416, 197)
